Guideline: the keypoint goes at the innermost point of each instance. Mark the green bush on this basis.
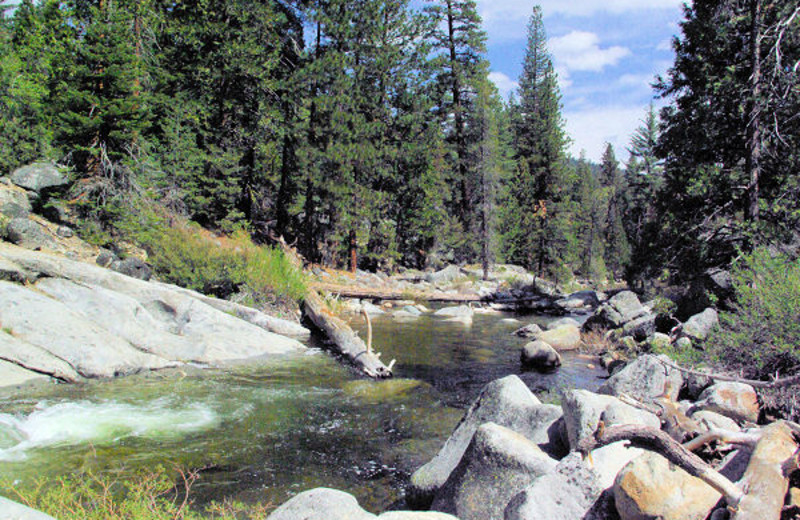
(220, 266)
(761, 336)
(147, 495)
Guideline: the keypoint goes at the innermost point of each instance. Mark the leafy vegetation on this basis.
(761, 334)
(190, 257)
(148, 495)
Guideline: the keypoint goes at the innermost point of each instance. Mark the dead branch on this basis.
(726, 436)
(775, 383)
(369, 331)
(649, 438)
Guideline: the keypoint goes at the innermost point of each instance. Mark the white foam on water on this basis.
(71, 423)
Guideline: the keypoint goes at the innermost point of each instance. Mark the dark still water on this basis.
(266, 431)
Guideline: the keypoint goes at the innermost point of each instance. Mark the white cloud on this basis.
(592, 128)
(492, 10)
(503, 83)
(580, 50)
(636, 80)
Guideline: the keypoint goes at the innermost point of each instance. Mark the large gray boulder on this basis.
(699, 326)
(640, 328)
(14, 511)
(29, 234)
(579, 300)
(568, 493)
(584, 409)
(91, 350)
(35, 358)
(14, 202)
(38, 177)
(528, 331)
(644, 379)
(507, 402)
(498, 464)
(617, 311)
(540, 356)
(168, 324)
(332, 504)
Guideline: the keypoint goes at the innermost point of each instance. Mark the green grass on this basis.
(148, 495)
(221, 266)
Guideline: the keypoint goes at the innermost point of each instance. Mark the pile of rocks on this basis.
(513, 457)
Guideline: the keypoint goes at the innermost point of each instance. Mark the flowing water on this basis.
(265, 431)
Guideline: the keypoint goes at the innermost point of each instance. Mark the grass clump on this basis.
(221, 266)
(147, 495)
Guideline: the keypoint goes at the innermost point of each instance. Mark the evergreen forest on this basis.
(368, 133)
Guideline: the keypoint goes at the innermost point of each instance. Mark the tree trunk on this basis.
(753, 163)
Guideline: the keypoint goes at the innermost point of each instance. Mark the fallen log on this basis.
(766, 479)
(388, 294)
(345, 340)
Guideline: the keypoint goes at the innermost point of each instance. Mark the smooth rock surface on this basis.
(498, 464)
(91, 350)
(507, 402)
(563, 321)
(583, 410)
(14, 375)
(640, 328)
(735, 400)
(34, 358)
(563, 337)
(650, 487)
(710, 420)
(644, 379)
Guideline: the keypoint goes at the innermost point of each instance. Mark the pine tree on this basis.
(617, 249)
(460, 44)
(591, 221)
(536, 220)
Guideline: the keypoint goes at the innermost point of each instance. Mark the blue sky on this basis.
(606, 52)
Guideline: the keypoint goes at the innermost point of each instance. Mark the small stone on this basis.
(540, 355)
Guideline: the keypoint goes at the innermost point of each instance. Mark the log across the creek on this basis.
(345, 341)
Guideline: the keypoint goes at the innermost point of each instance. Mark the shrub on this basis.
(147, 495)
(761, 336)
(220, 266)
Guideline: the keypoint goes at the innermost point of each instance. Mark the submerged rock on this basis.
(498, 464)
(540, 356)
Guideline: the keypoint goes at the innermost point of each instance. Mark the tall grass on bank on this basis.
(147, 495)
(221, 266)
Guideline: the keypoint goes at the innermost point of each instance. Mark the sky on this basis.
(606, 52)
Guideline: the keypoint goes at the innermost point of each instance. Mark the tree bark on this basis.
(753, 162)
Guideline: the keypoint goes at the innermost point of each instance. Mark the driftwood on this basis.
(346, 341)
(764, 485)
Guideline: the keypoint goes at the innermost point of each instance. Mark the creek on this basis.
(267, 430)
